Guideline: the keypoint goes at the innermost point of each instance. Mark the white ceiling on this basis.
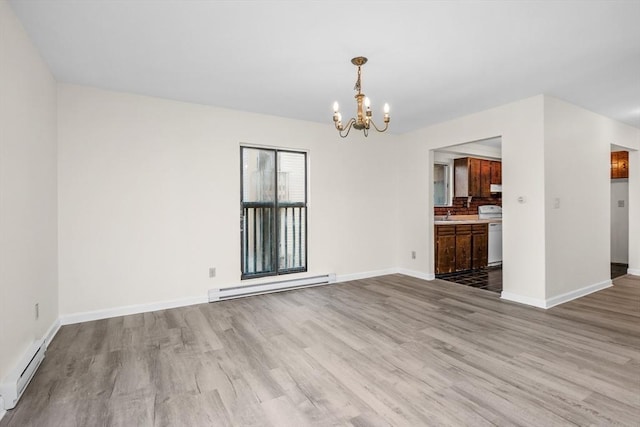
(430, 60)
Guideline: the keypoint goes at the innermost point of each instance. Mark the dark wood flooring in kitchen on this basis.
(489, 278)
(391, 350)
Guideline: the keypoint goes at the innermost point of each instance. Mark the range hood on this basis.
(495, 188)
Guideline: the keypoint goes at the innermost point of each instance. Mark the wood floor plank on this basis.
(386, 351)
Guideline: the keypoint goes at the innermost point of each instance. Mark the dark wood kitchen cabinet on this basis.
(619, 164)
(473, 177)
(480, 245)
(496, 173)
(461, 247)
(445, 254)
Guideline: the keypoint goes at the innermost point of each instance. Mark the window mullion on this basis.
(276, 219)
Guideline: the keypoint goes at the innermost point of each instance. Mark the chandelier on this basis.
(363, 120)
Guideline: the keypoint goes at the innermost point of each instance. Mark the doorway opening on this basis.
(467, 208)
(619, 211)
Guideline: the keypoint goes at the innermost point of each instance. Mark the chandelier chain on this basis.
(358, 85)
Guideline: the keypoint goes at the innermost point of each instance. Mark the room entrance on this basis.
(467, 205)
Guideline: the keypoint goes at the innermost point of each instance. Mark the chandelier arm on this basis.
(347, 128)
(386, 126)
(339, 125)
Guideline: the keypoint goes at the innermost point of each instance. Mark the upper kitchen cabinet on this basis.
(496, 173)
(619, 164)
(473, 177)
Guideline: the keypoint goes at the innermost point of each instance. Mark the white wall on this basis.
(28, 195)
(550, 150)
(520, 124)
(578, 184)
(149, 197)
(577, 151)
(634, 208)
(620, 221)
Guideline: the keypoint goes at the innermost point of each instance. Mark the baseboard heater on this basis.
(221, 294)
(17, 381)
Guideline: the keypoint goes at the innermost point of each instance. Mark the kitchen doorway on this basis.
(467, 184)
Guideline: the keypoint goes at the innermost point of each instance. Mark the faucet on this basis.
(448, 213)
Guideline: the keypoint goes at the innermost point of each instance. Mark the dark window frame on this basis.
(274, 221)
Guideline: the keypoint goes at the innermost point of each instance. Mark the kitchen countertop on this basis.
(463, 219)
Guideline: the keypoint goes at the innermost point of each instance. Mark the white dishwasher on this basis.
(493, 212)
(495, 243)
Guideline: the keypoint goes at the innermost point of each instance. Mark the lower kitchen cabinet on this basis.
(461, 247)
(445, 241)
(480, 245)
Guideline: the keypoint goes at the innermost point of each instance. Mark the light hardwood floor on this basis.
(386, 351)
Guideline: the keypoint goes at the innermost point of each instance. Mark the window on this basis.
(441, 184)
(273, 207)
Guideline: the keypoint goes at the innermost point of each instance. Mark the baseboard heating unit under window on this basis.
(221, 294)
(17, 381)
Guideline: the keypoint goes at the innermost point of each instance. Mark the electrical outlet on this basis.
(413, 254)
(37, 311)
(212, 272)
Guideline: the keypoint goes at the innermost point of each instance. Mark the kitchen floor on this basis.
(489, 278)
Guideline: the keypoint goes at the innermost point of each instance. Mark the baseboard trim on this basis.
(522, 299)
(416, 274)
(633, 271)
(578, 293)
(163, 305)
(364, 275)
(89, 316)
(51, 332)
(558, 299)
